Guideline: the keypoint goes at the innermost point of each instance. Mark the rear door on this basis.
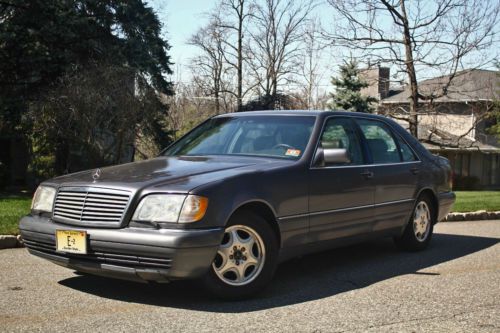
(395, 170)
(341, 196)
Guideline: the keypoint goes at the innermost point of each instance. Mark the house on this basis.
(452, 120)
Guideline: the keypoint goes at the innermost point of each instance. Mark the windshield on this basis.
(275, 136)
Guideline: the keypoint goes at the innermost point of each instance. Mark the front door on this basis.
(341, 196)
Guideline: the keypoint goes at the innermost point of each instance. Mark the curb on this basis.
(9, 241)
(472, 216)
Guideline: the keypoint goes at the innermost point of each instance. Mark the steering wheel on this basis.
(283, 145)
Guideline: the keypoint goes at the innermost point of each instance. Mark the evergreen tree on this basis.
(347, 95)
(47, 45)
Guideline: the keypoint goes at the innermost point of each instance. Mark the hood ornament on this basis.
(96, 175)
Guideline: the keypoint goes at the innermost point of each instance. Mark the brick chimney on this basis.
(378, 82)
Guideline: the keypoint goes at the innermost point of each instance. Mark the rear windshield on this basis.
(272, 136)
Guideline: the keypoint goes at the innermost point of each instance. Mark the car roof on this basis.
(314, 113)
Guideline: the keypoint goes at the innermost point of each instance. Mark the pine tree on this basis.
(108, 51)
(347, 95)
(41, 41)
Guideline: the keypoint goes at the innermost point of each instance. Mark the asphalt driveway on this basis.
(453, 286)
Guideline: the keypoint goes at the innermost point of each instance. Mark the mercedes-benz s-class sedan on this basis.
(240, 193)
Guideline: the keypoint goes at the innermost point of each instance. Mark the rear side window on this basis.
(406, 153)
(380, 141)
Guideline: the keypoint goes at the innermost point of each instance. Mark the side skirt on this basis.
(292, 252)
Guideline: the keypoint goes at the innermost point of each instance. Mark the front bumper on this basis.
(130, 253)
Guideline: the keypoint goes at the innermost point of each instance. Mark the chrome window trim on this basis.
(364, 165)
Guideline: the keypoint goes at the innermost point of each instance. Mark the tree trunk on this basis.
(239, 91)
(61, 157)
(217, 103)
(410, 67)
(274, 92)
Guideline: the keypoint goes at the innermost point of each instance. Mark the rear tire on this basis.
(246, 259)
(418, 232)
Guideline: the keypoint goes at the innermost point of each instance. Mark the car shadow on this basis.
(299, 280)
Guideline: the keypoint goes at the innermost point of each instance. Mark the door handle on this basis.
(367, 174)
(415, 170)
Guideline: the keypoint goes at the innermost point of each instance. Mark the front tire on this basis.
(246, 259)
(418, 232)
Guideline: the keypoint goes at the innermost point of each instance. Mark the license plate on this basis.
(71, 241)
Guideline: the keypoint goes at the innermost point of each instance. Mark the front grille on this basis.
(125, 260)
(90, 206)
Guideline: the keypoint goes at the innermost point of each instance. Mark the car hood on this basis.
(171, 173)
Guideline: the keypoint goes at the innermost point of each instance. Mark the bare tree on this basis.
(276, 39)
(236, 14)
(418, 36)
(210, 66)
(188, 107)
(310, 71)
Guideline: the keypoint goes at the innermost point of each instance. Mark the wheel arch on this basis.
(427, 191)
(264, 210)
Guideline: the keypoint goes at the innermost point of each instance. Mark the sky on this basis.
(182, 18)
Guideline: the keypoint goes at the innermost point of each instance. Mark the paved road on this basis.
(453, 286)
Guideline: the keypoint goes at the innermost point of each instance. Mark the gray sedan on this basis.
(240, 193)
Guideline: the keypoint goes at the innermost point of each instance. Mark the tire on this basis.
(418, 231)
(241, 269)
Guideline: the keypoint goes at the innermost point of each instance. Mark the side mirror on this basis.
(331, 156)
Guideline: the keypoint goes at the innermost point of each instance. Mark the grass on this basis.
(469, 201)
(12, 208)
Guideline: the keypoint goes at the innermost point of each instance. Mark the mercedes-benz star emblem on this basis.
(96, 174)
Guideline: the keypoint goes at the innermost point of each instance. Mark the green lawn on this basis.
(469, 201)
(12, 207)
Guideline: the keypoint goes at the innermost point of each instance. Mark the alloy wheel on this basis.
(421, 221)
(240, 257)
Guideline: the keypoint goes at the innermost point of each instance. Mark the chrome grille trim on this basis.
(90, 206)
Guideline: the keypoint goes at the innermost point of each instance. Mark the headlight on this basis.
(43, 199)
(194, 209)
(171, 208)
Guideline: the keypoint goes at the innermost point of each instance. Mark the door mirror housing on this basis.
(331, 156)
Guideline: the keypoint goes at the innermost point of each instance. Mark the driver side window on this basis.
(340, 133)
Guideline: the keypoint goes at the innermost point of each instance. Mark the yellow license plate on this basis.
(71, 241)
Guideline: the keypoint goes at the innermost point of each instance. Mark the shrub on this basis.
(467, 183)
